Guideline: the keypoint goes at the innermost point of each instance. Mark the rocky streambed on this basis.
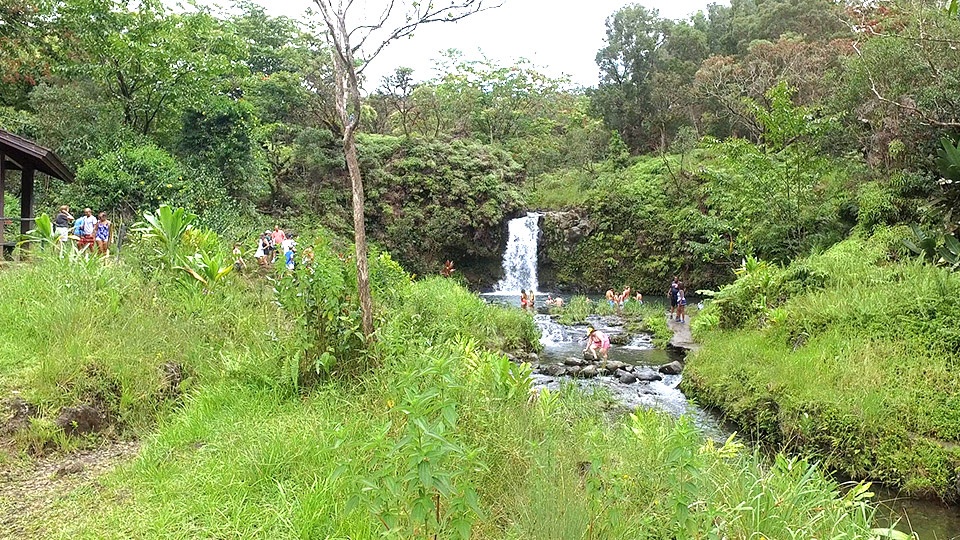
(636, 374)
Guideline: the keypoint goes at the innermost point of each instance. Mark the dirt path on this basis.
(28, 488)
(681, 335)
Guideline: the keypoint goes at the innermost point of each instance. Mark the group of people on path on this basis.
(93, 232)
(272, 244)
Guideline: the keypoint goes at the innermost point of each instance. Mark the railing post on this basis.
(3, 186)
(26, 200)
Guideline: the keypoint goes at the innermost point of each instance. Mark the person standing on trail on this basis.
(88, 225)
(597, 340)
(672, 293)
(62, 222)
(104, 233)
(681, 302)
(278, 236)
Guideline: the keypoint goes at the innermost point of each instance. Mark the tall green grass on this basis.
(845, 356)
(444, 438)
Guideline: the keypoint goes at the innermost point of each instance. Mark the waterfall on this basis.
(520, 257)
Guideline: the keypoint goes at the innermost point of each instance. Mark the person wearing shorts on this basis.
(672, 293)
(597, 340)
(61, 223)
(88, 225)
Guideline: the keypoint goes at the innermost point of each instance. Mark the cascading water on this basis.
(520, 258)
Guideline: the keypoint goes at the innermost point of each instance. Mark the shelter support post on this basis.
(26, 200)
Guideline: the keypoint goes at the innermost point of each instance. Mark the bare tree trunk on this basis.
(359, 231)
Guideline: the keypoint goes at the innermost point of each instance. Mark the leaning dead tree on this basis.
(358, 31)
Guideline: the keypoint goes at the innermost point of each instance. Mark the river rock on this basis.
(627, 378)
(620, 339)
(574, 361)
(534, 357)
(574, 371)
(80, 420)
(614, 365)
(673, 368)
(647, 375)
(589, 372)
(554, 370)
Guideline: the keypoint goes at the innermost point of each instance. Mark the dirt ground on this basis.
(29, 486)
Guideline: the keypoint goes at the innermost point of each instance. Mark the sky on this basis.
(561, 37)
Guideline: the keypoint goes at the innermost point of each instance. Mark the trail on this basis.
(29, 487)
(681, 335)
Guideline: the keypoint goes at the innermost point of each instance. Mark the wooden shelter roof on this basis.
(19, 153)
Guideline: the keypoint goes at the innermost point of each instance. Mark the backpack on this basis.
(78, 227)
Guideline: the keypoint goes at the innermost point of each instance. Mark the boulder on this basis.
(614, 365)
(589, 372)
(627, 378)
(673, 368)
(620, 339)
(574, 361)
(647, 375)
(533, 357)
(574, 371)
(554, 370)
(81, 419)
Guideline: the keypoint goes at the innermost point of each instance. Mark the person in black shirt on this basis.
(62, 222)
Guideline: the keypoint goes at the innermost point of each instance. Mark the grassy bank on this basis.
(848, 357)
(442, 437)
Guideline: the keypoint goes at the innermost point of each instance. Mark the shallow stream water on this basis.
(928, 520)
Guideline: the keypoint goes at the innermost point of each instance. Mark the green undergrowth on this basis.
(102, 334)
(848, 356)
(442, 439)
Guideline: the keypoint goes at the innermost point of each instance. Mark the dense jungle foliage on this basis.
(778, 129)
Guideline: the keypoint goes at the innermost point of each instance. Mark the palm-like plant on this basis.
(207, 268)
(43, 233)
(167, 225)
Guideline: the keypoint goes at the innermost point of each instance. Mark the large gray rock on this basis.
(625, 377)
(554, 370)
(81, 419)
(647, 375)
(574, 361)
(673, 368)
(589, 372)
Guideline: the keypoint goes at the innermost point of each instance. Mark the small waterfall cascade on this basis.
(520, 257)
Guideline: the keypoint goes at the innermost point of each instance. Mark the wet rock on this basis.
(620, 339)
(614, 365)
(626, 378)
(20, 411)
(510, 357)
(75, 467)
(574, 361)
(533, 357)
(172, 377)
(554, 370)
(589, 372)
(673, 368)
(574, 371)
(81, 420)
(647, 375)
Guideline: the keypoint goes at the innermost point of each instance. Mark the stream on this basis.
(562, 350)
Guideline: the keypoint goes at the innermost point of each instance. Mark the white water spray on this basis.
(520, 258)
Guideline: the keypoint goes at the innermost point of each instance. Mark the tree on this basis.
(397, 89)
(355, 40)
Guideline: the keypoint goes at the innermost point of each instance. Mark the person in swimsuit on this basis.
(523, 299)
(103, 233)
(638, 298)
(611, 297)
(597, 340)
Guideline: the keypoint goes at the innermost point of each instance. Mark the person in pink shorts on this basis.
(597, 340)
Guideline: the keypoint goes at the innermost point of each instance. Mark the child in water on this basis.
(597, 340)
